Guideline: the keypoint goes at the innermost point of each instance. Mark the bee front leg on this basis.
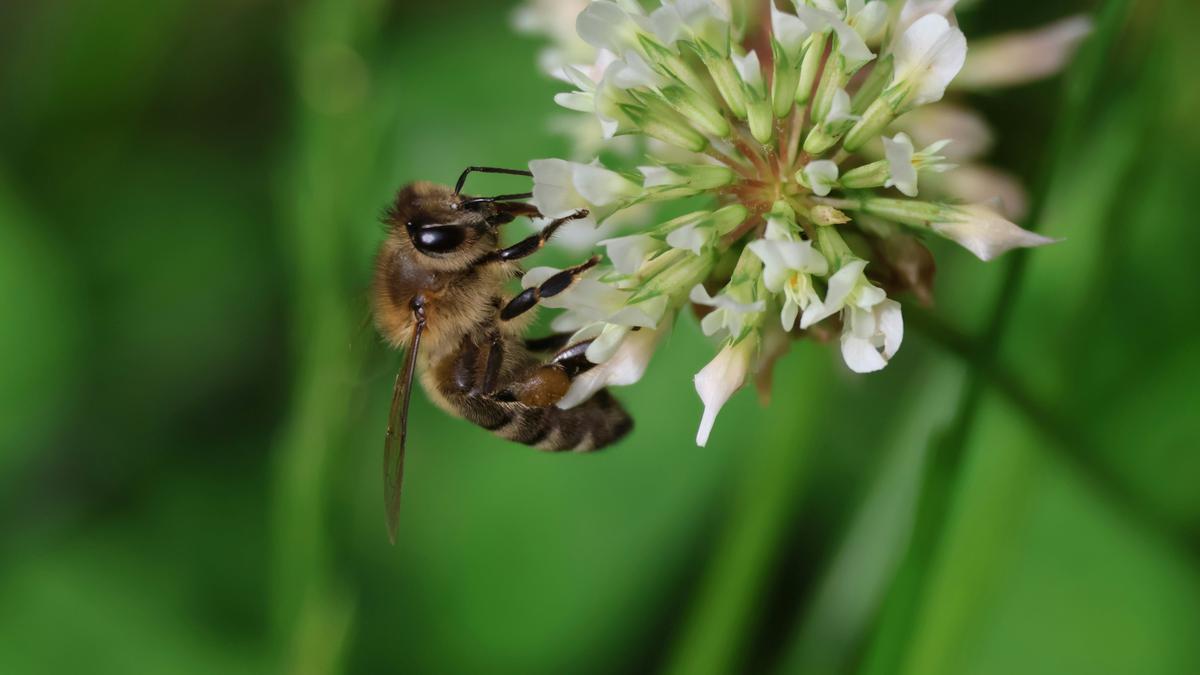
(534, 243)
(503, 213)
(528, 298)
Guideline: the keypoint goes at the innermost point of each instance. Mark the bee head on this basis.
(440, 226)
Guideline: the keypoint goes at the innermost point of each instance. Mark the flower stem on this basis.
(718, 627)
(891, 650)
(740, 167)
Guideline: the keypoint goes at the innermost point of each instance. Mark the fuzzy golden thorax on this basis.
(461, 291)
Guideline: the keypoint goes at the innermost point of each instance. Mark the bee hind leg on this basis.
(523, 409)
(546, 384)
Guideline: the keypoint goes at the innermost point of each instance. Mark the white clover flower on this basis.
(777, 173)
(1017, 58)
(625, 366)
(700, 231)
(839, 110)
(592, 300)
(561, 188)
(820, 176)
(928, 56)
(984, 232)
(729, 314)
(871, 335)
(847, 286)
(904, 162)
(789, 268)
(850, 44)
(685, 180)
(555, 19)
(966, 129)
(630, 252)
(717, 381)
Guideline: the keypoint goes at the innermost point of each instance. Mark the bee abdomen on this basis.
(598, 422)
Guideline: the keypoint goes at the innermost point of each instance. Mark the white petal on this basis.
(779, 228)
(645, 314)
(986, 233)
(538, 276)
(789, 30)
(980, 183)
(903, 175)
(787, 315)
(868, 295)
(718, 380)
(859, 323)
(1017, 58)
(657, 176)
(704, 20)
(928, 55)
(604, 24)
(588, 331)
(630, 252)
(713, 322)
(850, 43)
(625, 366)
(667, 25)
(839, 110)
(775, 270)
(578, 76)
(969, 133)
(602, 187)
(576, 100)
(606, 343)
(891, 324)
(633, 72)
(700, 296)
(554, 190)
(860, 355)
(569, 322)
(801, 256)
(748, 68)
(590, 298)
(870, 20)
(822, 175)
(691, 238)
(915, 9)
(840, 286)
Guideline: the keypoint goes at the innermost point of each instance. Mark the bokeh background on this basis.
(192, 404)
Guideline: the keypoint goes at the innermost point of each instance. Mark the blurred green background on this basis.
(192, 405)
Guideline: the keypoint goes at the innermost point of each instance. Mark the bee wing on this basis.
(397, 432)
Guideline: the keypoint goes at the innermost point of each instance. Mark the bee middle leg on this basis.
(528, 298)
(548, 343)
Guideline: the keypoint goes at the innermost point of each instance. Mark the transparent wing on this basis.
(397, 432)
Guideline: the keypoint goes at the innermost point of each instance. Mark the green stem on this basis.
(715, 633)
(1069, 443)
(328, 190)
(903, 607)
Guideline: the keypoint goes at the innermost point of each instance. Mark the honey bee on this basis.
(438, 292)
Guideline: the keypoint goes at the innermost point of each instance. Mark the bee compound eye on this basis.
(439, 238)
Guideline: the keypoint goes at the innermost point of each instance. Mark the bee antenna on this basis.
(462, 180)
(497, 198)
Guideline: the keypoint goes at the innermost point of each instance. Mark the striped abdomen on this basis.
(459, 382)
